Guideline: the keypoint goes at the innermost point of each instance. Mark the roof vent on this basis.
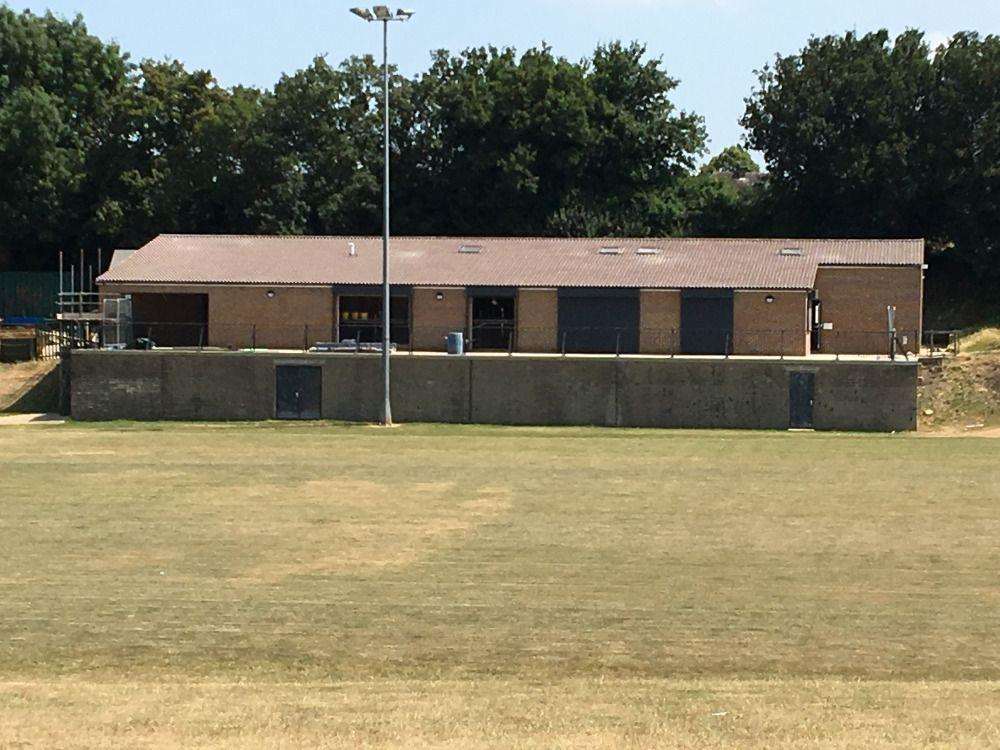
(470, 248)
(610, 251)
(352, 249)
(791, 251)
(647, 251)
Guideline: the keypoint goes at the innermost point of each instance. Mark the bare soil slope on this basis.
(28, 386)
(962, 394)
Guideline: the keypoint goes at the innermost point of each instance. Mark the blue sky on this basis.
(712, 46)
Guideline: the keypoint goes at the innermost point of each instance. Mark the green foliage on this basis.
(861, 136)
(864, 136)
(734, 161)
(60, 92)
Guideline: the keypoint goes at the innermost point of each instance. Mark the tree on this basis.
(839, 127)
(734, 161)
(536, 144)
(60, 93)
(867, 137)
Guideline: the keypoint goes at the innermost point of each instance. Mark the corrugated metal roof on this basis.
(525, 262)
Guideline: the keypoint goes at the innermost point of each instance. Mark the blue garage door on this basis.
(706, 321)
(599, 321)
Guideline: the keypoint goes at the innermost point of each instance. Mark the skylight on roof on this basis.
(610, 251)
(647, 251)
(470, 248)
(791, 251)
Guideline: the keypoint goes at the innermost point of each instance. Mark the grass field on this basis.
(275, 586)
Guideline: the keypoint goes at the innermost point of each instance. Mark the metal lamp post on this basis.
(384, 15)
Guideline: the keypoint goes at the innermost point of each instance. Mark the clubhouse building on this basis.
(544, 295)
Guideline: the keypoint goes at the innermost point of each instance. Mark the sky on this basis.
(711, 46)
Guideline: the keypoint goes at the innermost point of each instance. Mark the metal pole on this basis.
(59, 308)
(386, 301)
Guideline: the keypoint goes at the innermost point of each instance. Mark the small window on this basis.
(647, 251)
(791, 251)
(470, 248)
(610, 251)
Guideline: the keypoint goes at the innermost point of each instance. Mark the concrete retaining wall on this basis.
(627, 391)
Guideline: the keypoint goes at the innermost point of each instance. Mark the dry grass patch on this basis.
(260, 585)
(574, 713)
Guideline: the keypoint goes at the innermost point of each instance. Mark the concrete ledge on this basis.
(697, 392)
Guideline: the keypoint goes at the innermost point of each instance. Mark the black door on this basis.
(707, 321)
(801, 390)
(299, 390)
(599, 321)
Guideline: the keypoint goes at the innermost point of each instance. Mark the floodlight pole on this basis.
(386, 298)
(382, 14)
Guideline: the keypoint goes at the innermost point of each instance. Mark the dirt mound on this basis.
(963, 393)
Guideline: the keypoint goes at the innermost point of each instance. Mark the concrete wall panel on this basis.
(640, 392)
(542, 391)
(875, 397)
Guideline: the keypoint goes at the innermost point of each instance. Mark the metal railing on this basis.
(511, 340)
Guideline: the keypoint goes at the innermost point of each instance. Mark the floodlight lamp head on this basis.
(404, 14)
(382, 12)
(363, 13)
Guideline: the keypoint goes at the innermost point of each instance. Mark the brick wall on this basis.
(293, 318)
(659, 321)
(434, 319)
(537, 320)
(854, 299)
(770, 328)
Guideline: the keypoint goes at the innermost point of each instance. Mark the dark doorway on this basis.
(801, 395)
(299, 392)
(171, 319)
(816, 325)
(361, 319)
(492, 323)
(707, 321)
(599, 321)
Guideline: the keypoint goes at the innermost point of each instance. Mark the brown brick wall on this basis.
(855, 301)
(434, 319)
(771, 328)
(659, 321)
(537, 320)
(295, 317)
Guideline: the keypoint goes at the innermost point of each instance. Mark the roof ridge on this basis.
(529, 238)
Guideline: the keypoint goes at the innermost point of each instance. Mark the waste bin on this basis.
(456, 342)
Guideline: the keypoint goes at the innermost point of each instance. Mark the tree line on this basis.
(861, 136)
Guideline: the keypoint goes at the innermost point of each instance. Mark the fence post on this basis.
(253, 337)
